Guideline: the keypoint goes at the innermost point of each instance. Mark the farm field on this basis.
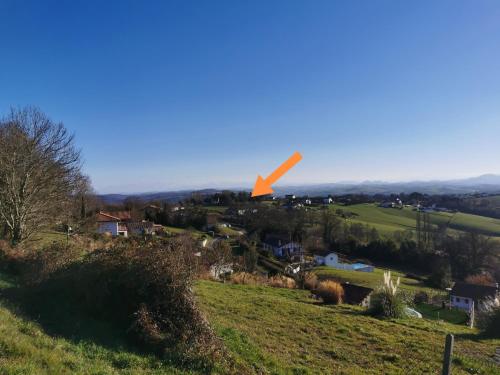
(283, 331)
(388, 220)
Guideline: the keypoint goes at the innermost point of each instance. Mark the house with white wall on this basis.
(114, 223)
(464, 295)
(281, 246)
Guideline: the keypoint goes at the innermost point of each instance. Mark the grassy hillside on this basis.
(388, 220)
(266, 331)
(285, 332)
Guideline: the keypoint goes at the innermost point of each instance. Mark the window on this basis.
(466, 300)
(457, 299)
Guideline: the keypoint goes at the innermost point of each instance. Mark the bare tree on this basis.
(39, 172)
(218, 257)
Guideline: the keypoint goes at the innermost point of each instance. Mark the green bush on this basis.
(388, 306)
(388, 302)
(421, 297)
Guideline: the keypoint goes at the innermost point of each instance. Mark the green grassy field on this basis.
(437, 313)
(283, 331)
(373, 279)
(388, 220)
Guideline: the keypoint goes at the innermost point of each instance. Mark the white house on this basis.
(113, 223)
(327, 200)
(463, 295)
(280, 246)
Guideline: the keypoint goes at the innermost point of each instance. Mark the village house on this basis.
(464, 295)
(281, 246)
(114, 223)
(120, 223)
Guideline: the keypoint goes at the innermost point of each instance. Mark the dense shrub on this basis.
(330, 291)
(280, 281)
(388, 302)
(146, 289)
(39, 266)
(488, 318)
(421, 297)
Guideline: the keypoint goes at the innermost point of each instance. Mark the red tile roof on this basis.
(113, 216)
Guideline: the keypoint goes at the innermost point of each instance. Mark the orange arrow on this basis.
(263, 187)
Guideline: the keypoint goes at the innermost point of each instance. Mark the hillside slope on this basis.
(283, 331)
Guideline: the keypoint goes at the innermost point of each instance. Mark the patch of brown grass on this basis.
(246, 278)
(330, 291)
(281, 281)
(310, 281)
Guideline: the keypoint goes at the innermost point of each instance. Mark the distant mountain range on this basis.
(488, 183)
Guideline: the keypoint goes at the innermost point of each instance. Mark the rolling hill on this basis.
(388, 220)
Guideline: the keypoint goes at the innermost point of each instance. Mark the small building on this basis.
(114, 223)
(464, 295)
(328, 200)
(281, 246)
(357, 295)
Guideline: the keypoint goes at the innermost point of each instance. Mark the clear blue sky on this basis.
(188, 94)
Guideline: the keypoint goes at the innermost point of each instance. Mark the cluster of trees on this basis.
(188, 217)
(271, 220)
(40, 177)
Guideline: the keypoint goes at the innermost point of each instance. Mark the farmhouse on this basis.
(113, 223)
(464, 295)
(281, 246)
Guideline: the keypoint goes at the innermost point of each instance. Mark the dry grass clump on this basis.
(246, 278)
(280, 281)
(310, 280)
(330, 291)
